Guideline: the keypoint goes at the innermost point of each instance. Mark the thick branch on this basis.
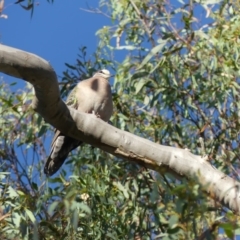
(94, 131)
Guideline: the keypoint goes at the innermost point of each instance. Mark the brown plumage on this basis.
(90, 96)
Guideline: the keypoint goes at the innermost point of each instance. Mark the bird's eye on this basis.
(101, 71)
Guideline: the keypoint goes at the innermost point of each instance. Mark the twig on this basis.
(4, 216)
(211, 229)
(96, 10)
(143, 22)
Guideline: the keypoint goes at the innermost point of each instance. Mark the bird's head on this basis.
(103, 73)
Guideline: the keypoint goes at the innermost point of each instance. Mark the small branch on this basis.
(4, 216)
(95, 11)
(143, 22)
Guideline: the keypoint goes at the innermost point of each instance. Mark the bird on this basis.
(91, 96)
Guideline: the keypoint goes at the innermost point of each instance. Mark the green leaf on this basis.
(228, 228)
(52, 207)
(12, 193)
(153, 52)
(137, 75)
(121, 188)
(139, 85)
(237, 232)
(43, 130)
(126, 47)
(206, 2)
(84, 207)
(70, 66)
(30, 215)
(173, 221)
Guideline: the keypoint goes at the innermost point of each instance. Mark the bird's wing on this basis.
(61, 144)
(72, 102)
(72, 99)
(59, 152)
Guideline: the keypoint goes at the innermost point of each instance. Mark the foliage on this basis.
(178, 83)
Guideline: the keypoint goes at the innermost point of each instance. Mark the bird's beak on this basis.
(112, 76)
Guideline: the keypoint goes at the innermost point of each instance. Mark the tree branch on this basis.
(94, 131)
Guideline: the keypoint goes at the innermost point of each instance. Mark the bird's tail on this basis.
(59, 152)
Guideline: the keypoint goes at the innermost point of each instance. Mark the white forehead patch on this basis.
(105, 71)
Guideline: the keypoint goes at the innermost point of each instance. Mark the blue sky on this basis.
(55, 32)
